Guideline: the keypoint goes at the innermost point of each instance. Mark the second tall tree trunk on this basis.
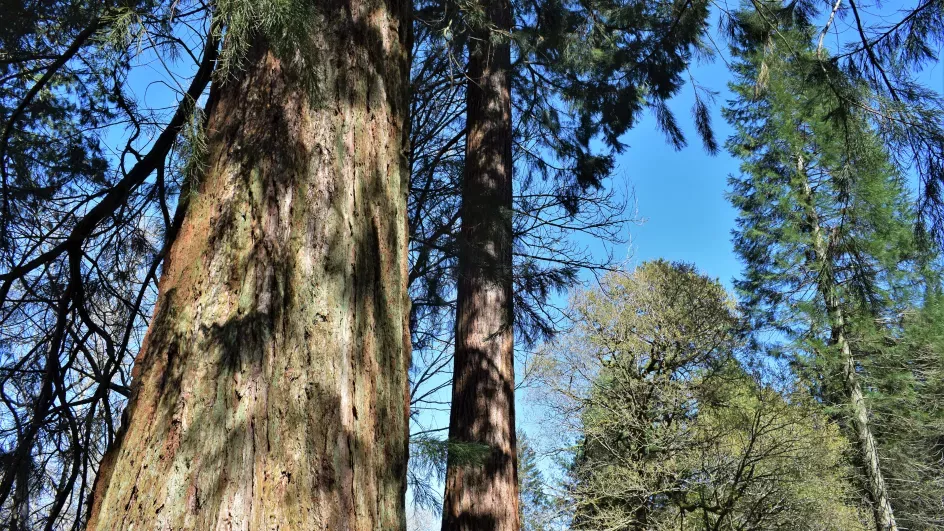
(483, 496)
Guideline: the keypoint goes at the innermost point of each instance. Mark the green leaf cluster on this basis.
(674, 433)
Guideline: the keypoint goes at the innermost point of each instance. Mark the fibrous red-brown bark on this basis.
(484, 496)
(270, 392)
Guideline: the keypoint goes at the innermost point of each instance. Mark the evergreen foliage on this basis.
(826, 225)
(537, 508)
(608, 61)
(885, 56)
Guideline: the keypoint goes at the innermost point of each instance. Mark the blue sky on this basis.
(679, 195)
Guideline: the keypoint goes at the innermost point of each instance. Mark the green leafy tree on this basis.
(765, 461)
(658, 338)
(672, 432)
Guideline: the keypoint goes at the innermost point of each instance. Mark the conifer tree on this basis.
(826, 231)
(882, 47)
(903, 370)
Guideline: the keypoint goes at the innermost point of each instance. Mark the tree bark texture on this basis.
(484, 496)
(271, 388)
(867, 448)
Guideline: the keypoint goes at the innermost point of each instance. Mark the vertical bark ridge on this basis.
(269, 391)
(484, 496)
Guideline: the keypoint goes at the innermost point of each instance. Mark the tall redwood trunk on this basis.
(270, 392)
(484, 496)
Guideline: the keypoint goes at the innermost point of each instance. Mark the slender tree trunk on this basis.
(271, 391)
(21, 499)
(868, 450)
(484, 496)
